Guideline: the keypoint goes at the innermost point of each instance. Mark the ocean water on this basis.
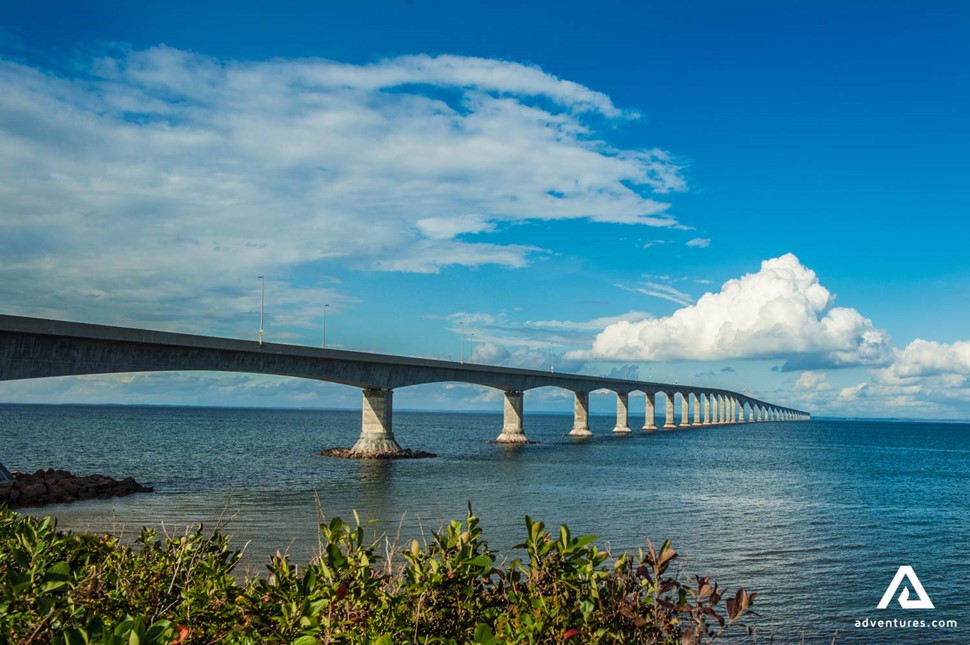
(816, 517)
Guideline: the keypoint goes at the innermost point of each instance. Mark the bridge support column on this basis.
(684, 410)
(512, 428)
(669, 409)
(697, 410)
(713, 398)
(650, 413)
(706, 403)
(581, 416)
(376, 435)
(622, 413)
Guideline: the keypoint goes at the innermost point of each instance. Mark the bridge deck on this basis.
(37, 348)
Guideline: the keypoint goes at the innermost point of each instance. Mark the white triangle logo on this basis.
(905, 571)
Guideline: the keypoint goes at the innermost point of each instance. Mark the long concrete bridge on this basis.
(38, 348)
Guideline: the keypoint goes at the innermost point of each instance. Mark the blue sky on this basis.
(769, 197)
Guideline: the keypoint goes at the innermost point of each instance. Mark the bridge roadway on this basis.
(38, 348)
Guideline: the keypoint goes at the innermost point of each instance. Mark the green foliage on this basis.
(73, 589)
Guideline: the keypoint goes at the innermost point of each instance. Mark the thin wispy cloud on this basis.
(662, 291)
(163, 176)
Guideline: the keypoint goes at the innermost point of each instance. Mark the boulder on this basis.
(48, 486)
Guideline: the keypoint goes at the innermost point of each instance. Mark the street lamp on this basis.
(325, 326)
(461, 326)
(262, 302)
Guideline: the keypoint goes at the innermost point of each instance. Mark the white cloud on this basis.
(812, 381)
(429, 256)
(445, 228)
(504, 330)
(662, 291)
(782, 311)
(929, 358)
(853, 392)
(489, 354)
(699, 242)
(594, 324)
(166, 172)
(927, 376)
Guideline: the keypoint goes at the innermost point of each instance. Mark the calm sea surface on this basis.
(815, 516)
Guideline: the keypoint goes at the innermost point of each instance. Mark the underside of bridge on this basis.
(39, 348)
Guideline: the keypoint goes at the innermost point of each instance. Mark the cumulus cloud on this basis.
(699, 242)
(812, 381)
(489, 354)
(929, 358)
(926, 376)
(122, 179)
(782, 311)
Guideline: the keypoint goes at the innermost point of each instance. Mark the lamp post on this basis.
(262, 302)
(325, 326)
(461, 326)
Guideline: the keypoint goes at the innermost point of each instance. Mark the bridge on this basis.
(38, 348)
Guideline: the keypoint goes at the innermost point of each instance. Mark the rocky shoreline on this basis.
(48, 486)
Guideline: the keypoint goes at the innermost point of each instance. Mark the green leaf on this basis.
(383, 640)
(56, 577)
(484, 561)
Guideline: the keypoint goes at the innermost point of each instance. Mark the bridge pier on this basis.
(650, 413)
(622, 413)
(684, 410)
(376, 435)
(512, 427)
(581, 416)
(669, 411)
(697, 410)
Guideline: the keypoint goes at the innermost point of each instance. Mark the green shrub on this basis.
(70, 588)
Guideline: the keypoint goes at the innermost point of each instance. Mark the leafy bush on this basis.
(70, 588)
